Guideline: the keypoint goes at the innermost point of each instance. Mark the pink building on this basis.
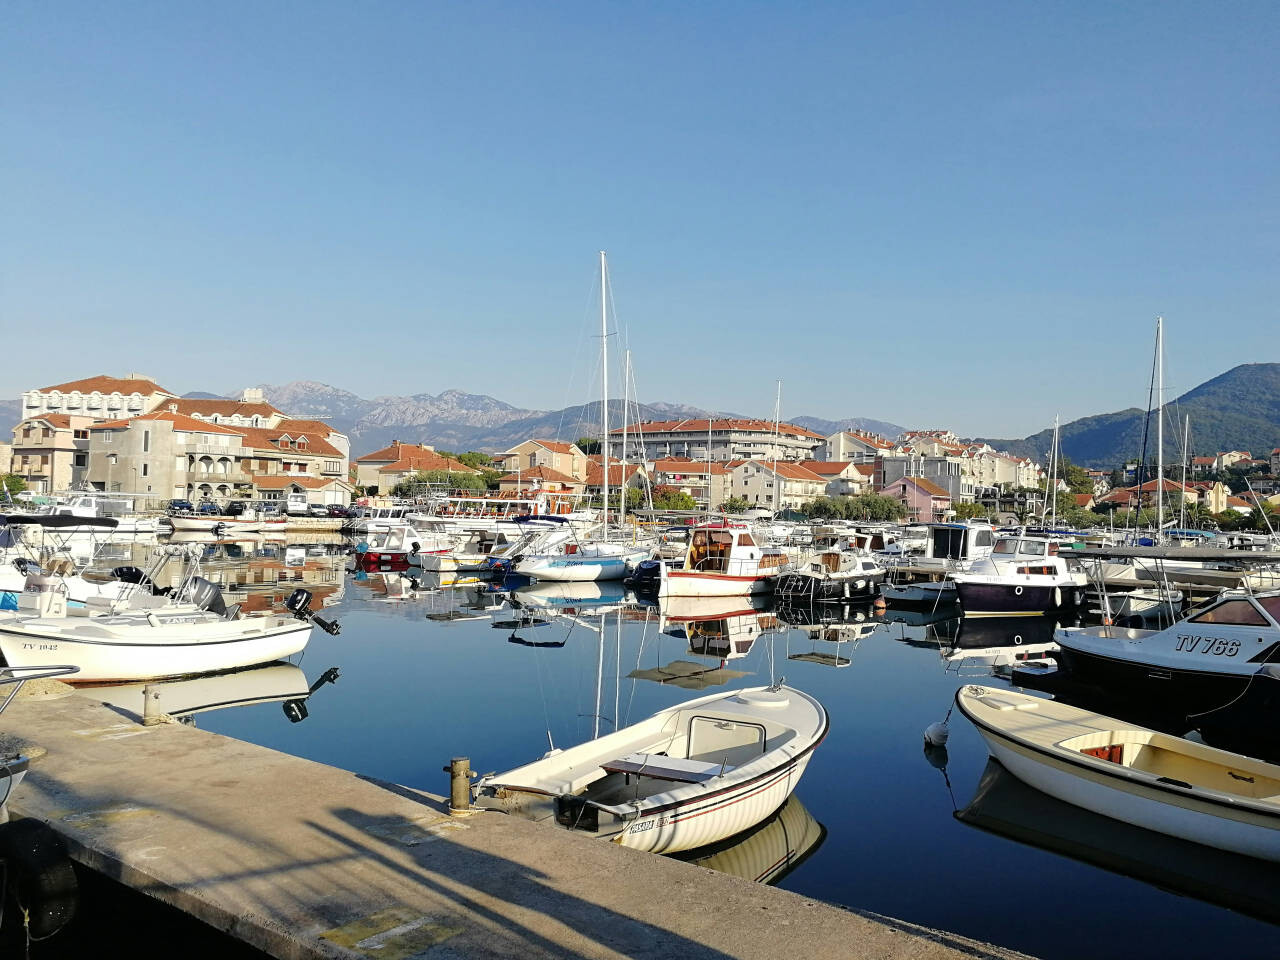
(924, 499)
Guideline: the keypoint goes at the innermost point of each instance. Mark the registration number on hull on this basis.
(1213, 646)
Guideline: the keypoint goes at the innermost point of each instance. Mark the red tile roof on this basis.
(617, 476)
(826, 468)
(424, 460)
(261, 438)
(538, 473)
(223, 408)
(179, 421)
(60, 420)
(928, 486)
(105, 384)
(396, 451)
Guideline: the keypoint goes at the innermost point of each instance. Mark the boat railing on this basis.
(15, 677)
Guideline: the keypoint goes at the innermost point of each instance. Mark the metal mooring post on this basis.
(459, 785)
(151, 712)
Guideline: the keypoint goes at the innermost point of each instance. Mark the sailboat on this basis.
(597, 558)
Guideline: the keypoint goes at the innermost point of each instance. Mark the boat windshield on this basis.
(1005, 547)
(1032, 548)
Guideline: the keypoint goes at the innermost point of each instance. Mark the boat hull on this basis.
(144, 652)
(714, 817)
(1165, 811)
(689, 583)
(805, 586)
(982, 598)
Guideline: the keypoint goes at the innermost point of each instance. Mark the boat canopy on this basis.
(61, 520)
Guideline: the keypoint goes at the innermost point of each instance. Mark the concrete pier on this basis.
(304, 860)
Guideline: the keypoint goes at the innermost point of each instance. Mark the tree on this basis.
(968, 511)
(669, 498)
(588, 445)
(874, 506)
(14, 483)
(454, 481)
(736, 505)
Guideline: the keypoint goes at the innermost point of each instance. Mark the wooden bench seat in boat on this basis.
(675, 769)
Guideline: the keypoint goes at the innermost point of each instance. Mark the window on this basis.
(146, 442)
(112, 458)
(81, 434)
(146, 468)
(107, 435)
(82, 460)
(1271, 605)
(1236, 612)
(983, 538)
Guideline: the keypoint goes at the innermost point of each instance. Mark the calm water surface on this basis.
(424, 676)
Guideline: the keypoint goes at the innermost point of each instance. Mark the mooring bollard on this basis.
(459, 785)
(151, 712)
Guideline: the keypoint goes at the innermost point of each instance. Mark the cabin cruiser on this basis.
(1201, 663)
(925, 578)
(837, 570)
(1022, 576)
(24, 544)
(93, 505)
(722, 559)
(398, 547)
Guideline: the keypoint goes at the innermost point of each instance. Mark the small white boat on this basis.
(1156, 603)
(190, 632)
(932, 592)
(582, 562)
(1140, 776)
(690, 775)
(832, 574)
(221, 526)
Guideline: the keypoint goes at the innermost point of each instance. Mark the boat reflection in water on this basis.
(183, 699)
(835, 630)
(995, 645)
(768, 851)
(724, 628)
(1005, 806)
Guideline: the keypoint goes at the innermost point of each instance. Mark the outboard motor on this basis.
(205, 595)
(299, 604)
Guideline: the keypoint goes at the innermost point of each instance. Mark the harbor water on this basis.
(421, 673)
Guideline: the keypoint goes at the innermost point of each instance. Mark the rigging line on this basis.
(570, 387)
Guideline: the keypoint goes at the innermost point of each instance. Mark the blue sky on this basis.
(934, 214)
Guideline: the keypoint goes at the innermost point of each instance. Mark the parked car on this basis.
(338, 510)
(208, 506)
(318, 510)
(180, 506)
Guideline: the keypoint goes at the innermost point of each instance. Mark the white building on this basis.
(728, 439)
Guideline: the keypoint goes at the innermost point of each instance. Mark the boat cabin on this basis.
(959, 541)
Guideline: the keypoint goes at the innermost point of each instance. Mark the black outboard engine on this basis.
(299, 604)
(205, 595)
(647, 577)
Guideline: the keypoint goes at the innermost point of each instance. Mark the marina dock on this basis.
(304, 860)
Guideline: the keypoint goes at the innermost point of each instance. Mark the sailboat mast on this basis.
(622, 472)
(604, 389)
(777, 417)
(1186, 455)
(1159, 426)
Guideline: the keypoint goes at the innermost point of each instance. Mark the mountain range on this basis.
(454, 420)
(1237, 410)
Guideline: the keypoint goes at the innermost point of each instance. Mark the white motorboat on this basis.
(225, 526)
(143, 636)
(1143, 777)
(1155, 603)
(690, 775)
(581, 562)
(722, 559)
(88, 505)
(399, 546)
(1203, 662)
(1022, 576)
(27, 553)
(835, 574)
(936, 593)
